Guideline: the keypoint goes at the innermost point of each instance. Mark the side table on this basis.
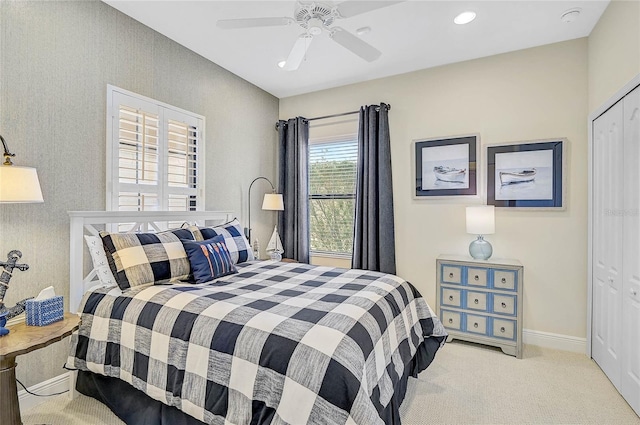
(23, 339)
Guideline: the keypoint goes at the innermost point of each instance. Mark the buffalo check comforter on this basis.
(280, 343)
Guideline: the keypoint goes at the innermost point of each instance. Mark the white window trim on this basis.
(332, 139)
(112, 165)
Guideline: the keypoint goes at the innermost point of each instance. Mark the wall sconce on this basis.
(17, 185)
(272, 202)
(481, 221)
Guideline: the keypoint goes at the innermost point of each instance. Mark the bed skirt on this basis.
(136, 408)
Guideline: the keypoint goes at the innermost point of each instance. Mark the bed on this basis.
(279, 343)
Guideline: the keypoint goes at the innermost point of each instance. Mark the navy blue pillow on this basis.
(209, 259)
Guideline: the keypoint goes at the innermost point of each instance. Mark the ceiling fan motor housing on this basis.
(314, 16)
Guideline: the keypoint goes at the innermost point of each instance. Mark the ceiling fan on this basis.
(315, 18)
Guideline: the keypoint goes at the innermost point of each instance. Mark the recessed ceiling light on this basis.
(281, 64)
(465, 17)
(570, 15)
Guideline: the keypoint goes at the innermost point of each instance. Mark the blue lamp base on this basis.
(480, 249)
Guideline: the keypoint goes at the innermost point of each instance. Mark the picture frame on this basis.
(528, 175)
(446, 167)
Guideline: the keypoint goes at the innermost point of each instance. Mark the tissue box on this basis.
(45, 312)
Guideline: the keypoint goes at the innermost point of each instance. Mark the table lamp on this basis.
(17, 185)
(481, 221)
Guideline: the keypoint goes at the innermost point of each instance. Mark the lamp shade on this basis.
(19, 185)
(273, 202)
(481, 220)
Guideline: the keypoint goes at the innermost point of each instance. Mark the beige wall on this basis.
(56, 59)
(532, 94)
(614, 51)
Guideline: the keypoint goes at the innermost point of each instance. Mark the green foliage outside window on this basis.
(332, 178)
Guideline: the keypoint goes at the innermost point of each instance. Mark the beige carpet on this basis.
(466, 384)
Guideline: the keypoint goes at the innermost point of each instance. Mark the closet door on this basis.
(630, 376)
(606, 338)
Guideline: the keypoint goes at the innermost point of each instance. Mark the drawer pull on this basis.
(451, 275)
(502, 329)
(450, 320)
(475, 325)
(475, 301)
(476, 278)
(450, 297)
(503, 280)
(504, 305)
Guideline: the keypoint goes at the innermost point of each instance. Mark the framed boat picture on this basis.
(526, 175)
(446, 167)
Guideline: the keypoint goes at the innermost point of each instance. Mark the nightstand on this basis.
(23, 339)
(481, 301)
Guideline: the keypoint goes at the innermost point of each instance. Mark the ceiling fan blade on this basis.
(229, 24)
(297, 52)
(351, 8)
(349, 41)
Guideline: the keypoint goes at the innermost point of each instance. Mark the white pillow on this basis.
(99, 258)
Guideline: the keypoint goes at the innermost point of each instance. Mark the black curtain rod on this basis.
(334, 115)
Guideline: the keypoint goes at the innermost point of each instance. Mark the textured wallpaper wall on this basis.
(56, 59)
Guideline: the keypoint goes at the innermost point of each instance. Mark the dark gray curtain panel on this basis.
(293, 222)
(374, 235)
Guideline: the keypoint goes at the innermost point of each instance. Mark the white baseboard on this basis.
(556, 341)
(51, 386)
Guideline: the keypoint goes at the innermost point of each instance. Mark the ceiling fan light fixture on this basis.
(363, 30)
(465, 17)
(314, 26)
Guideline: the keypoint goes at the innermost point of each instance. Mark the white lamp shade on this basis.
(273, 202)
(19, 185)
(481, 220)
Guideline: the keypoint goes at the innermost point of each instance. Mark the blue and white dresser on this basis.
(481, 301)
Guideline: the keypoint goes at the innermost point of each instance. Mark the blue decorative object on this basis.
(45, 312)
(480, 249)
(209, 259)
(7, 271)
(3, 321)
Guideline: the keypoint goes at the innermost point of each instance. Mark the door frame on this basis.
(619, 95)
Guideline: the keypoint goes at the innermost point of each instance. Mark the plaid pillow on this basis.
(138, 259)
(209, 259)
(237, 244)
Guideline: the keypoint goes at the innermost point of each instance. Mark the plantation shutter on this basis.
(332, 185)
(154, 153)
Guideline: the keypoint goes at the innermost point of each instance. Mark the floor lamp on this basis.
(272, 202)
(17, 185)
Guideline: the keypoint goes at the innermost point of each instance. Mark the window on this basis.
(332, 188)
(154, 155)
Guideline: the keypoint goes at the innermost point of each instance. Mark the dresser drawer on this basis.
(451, 274)
(477, 277)
(476, 324)
(477, 301)
(451, 297)
(451, 319)
(504, 280)
(504, 329)
(504, 304)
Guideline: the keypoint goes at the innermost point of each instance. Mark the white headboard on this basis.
(85, 222)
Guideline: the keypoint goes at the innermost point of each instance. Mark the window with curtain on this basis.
(332, 186)
(155, 154)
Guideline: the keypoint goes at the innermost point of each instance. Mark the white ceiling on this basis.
(411, 35)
